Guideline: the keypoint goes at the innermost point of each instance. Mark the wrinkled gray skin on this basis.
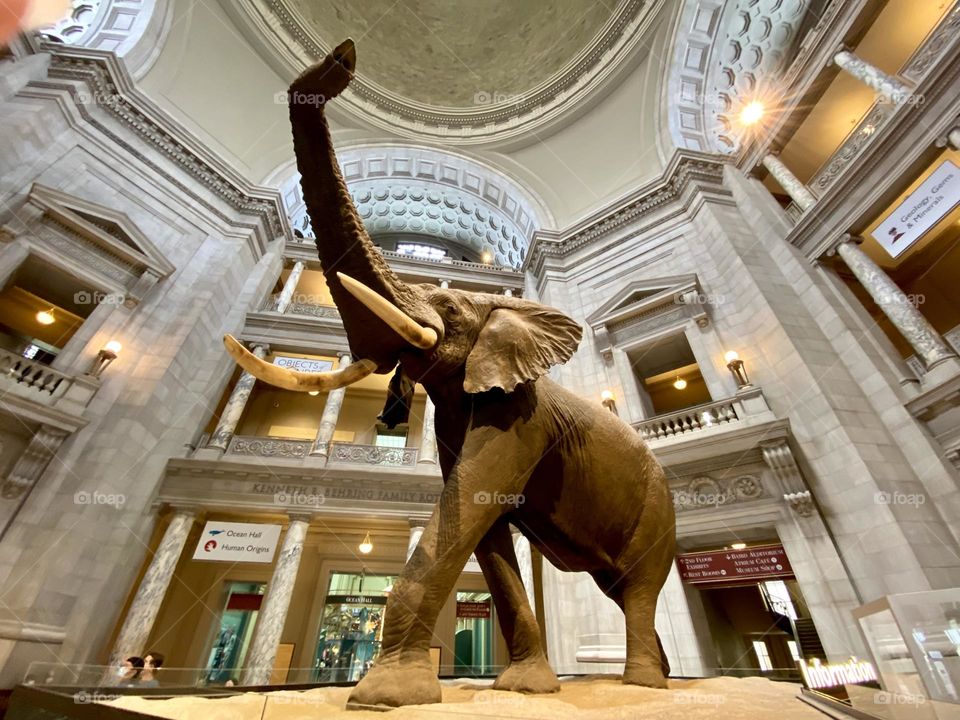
(595, 498)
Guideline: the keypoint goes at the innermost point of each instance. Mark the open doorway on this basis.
(668, 376)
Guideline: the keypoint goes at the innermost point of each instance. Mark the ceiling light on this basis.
(366, 547)
(751, 113)
(487, 257)
(314, 393)
(45, 317)
(738, 546)
(679, 383)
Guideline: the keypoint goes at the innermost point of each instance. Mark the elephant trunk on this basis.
(342, 241)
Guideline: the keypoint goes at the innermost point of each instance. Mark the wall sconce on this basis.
(366, 545)
(607, 400)
(735, 366)
(106, 356)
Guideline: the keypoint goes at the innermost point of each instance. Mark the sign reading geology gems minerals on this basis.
(302, 364)
(763, 562)
(237, 542)
(921, 210)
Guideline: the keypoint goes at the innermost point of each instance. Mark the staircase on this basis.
(806, 634)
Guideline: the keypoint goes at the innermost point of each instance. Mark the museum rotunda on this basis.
(750, 207)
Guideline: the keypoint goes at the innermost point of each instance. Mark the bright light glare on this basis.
(751, 113)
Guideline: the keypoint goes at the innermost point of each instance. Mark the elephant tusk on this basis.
(409, 329)
(294, 379)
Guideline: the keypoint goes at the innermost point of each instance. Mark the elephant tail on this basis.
(664, 662)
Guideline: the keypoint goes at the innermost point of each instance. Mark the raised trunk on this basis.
(343, 243)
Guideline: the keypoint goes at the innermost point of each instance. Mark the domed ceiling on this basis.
(458, 71)
(458, 53)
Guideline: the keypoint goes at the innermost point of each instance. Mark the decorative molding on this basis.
(105, 85)
(935, 45)
(372, 454)
(801, 503)
(269, 447)
(706, 492)
(858, 139)
(279, 32)
(686, 173)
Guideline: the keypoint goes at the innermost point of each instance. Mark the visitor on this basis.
(151, 665)
(130, 671)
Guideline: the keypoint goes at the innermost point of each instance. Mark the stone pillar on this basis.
(416, 530)
(331, 413)
(428, 438)
(233, 410)
(930, 346)
(289, 287)
(273, 614)
(684, 629)
(26, 471)
(444, 284)
(146, 604)
(894, 90)
(797, 191)
(521, 547)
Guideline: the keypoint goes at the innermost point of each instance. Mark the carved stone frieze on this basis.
(801, 503)
(320, 311)
(372, 455)
(269, 447)
(706, 492)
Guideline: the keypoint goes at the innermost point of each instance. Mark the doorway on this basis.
(237, 622)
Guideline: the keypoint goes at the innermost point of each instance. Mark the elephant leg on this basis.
(645, 657)
(403, 674)
(528, 670)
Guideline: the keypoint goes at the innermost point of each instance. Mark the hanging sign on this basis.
(237, 542)
(302, 364)
(473, 609)
(933, 199)
(763, 562)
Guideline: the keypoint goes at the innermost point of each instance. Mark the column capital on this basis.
(301, 516)
(261, 347)
(418, 521)
(189, 509)
(842, 239)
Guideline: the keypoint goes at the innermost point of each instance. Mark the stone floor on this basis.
(597, 698)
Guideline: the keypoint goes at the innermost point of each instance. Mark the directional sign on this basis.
(237, 542)
(763, 562)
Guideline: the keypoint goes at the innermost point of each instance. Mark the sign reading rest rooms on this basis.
(763, 562)
(237, 542)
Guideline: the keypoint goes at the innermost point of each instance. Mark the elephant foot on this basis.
(528, 676)
(392, 684)
(646, 674)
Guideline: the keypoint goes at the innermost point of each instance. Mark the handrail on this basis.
(33, 374)
(688, 420)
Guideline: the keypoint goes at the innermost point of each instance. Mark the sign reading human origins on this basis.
(237, 542)
(763, 562)
(302, 364)
(921, 210)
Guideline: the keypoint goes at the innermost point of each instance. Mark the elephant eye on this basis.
(451, 309)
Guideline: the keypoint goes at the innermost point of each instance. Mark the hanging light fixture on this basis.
(314, 393)
(45, 317)
(366, 545)
(679, 383)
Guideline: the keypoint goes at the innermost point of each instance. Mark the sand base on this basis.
(593, 698)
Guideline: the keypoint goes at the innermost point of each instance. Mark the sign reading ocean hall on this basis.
(237, 542)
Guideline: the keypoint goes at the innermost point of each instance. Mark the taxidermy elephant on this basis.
(594, 497)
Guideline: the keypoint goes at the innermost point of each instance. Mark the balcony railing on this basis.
(688, 420)
(372, 455)
(341, 453)
(40, 383)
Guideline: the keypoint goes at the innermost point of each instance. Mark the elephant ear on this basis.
(519, 342)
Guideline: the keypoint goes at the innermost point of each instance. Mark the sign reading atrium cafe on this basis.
(763, 562)
(237, 542)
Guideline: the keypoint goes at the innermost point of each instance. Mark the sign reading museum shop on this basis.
(302, 364)
(237, 542)
(921, 210)
(763, 562)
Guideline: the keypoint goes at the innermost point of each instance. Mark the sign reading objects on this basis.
(237, 542)
(302, 364)
(921, 210)
(763, 562)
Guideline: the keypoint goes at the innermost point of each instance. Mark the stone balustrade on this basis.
(343, 453)
(39, 383)
(372, 455)
(688, 420)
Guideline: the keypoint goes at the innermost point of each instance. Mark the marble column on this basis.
(146, 604)
(894, 90)
(428, 438)
(953, 138)
(273, 613)
(521, 548)
(929, 345)
(26, 471)
(331, 413)
(289, 287)
(684, 629)
(416, 530)
(233, 410)
(797, 191)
